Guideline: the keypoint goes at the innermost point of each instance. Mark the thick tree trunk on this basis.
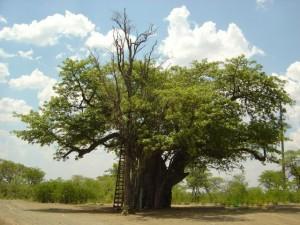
(156, 180)
(127, 184)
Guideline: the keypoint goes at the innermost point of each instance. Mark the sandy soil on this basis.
(16, 212)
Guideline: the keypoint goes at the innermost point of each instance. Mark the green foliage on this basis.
(200, 109)
(17, 180)
(236, 193)
(107, 186)
(292, 163)
(211, 113)
(11, 172)
(255, 196)
(77, 190)
(271, 180)
(200, 181)
(81, 189)
(20, 182)
(180, 195)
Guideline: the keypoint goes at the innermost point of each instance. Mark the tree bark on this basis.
(157, 180)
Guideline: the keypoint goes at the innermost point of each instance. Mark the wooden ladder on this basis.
(119, 190)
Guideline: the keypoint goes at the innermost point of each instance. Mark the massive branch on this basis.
(82, 151)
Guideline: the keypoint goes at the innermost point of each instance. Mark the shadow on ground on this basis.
(204, 213)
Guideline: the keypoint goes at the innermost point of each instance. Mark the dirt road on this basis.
(16, 212)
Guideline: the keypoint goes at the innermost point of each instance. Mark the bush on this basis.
(13, 191)
(77, 190)
(180, 195)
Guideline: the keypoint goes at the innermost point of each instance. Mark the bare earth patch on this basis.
(16, 212)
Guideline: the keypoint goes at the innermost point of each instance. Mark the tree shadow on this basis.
(218, 213)
(79, 209)
(198, 213)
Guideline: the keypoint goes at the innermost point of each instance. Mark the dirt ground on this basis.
(16, 212)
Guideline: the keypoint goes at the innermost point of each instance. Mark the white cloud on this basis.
(104, 42)
(48, 31)
(4, 54)
(26, 54)
(2, 19)
(292, 86)
(186, 43)
(23, 54)
(4, 72)
(101, 41)
(60, 55)
(37, 80)
(294, 142)
(10, 105)
(47, 92)
(263, 3)
(292, 78)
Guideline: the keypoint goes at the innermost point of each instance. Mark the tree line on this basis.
(21, 182)
(202, 187)
(199, 187)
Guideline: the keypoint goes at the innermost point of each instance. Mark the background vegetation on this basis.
(200, 187)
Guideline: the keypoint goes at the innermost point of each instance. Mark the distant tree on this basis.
(8, 171)
(33, 176)
(216, 184)
(11, 172)
(113, 171)
(197, 180)
(201, 180)
(292, 162)
(236, 190)
(271, 180)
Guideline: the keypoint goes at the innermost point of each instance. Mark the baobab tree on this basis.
(163, 119)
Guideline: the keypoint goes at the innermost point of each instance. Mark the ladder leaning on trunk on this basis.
(120, 185)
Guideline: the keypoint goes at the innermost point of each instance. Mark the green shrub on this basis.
(180, 195)
(77, 190)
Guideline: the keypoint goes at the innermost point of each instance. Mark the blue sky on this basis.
(35, 37)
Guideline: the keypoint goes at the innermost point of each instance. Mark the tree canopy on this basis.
(215, 111)
(14, 173)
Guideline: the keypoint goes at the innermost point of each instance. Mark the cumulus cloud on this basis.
(4, 72)
(104, 42)
(100, 41)
(292, 78)
(26, 54)
(3, 20)
(10, 105)
(186, 43)
(4, 54)
(48, 31)
(37, 80)
(46, 93)
(23, 54)
(294, 142)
